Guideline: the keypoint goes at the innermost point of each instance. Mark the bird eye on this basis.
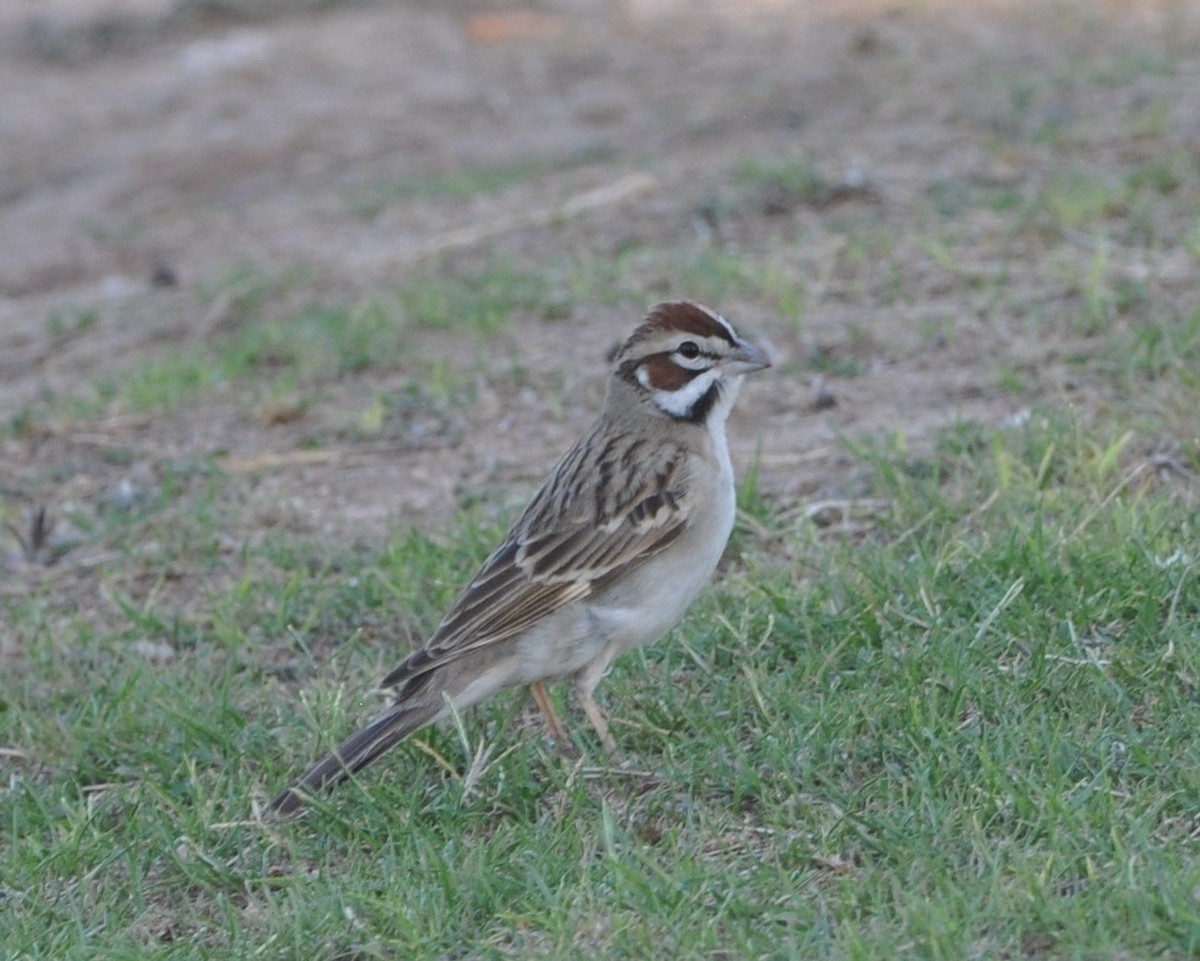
(689, 349)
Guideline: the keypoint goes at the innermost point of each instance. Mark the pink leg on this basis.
(538, 690)
(585, 683)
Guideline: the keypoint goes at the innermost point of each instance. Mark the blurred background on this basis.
(372, 253)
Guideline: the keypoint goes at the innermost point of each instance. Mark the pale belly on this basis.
(637, 611)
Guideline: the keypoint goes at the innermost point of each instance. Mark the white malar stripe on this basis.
(679, 403)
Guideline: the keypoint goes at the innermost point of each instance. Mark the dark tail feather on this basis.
(353, 754)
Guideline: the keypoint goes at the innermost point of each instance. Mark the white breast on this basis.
(647, 605)
(644, 605)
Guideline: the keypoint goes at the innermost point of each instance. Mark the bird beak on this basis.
(746, 358)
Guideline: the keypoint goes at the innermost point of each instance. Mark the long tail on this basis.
(354, 753)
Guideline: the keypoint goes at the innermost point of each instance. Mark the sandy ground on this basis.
(150, 147)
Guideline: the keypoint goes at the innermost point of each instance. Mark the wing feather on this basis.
(564, 548)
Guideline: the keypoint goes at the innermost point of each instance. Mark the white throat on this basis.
(718, 415)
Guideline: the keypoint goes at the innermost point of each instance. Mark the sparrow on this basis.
(608, 555)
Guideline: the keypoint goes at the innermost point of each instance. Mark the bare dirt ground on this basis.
(150, 147)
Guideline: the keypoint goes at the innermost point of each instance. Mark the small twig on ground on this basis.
(620, 191)
(14, 753)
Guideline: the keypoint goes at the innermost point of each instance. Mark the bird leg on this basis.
(583, 691)
(538, 690)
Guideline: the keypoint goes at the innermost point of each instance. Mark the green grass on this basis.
(967, 731)
(481, 302)
(961, 725)
(466, 182)
(274, 343)
(1132, 204)
(267, 356)
(952, 197)
(472, 181)
(1168, 346)
(311, 345)
(278, 342)
(798, 177)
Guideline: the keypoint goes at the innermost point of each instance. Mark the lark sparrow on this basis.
(608, 555)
